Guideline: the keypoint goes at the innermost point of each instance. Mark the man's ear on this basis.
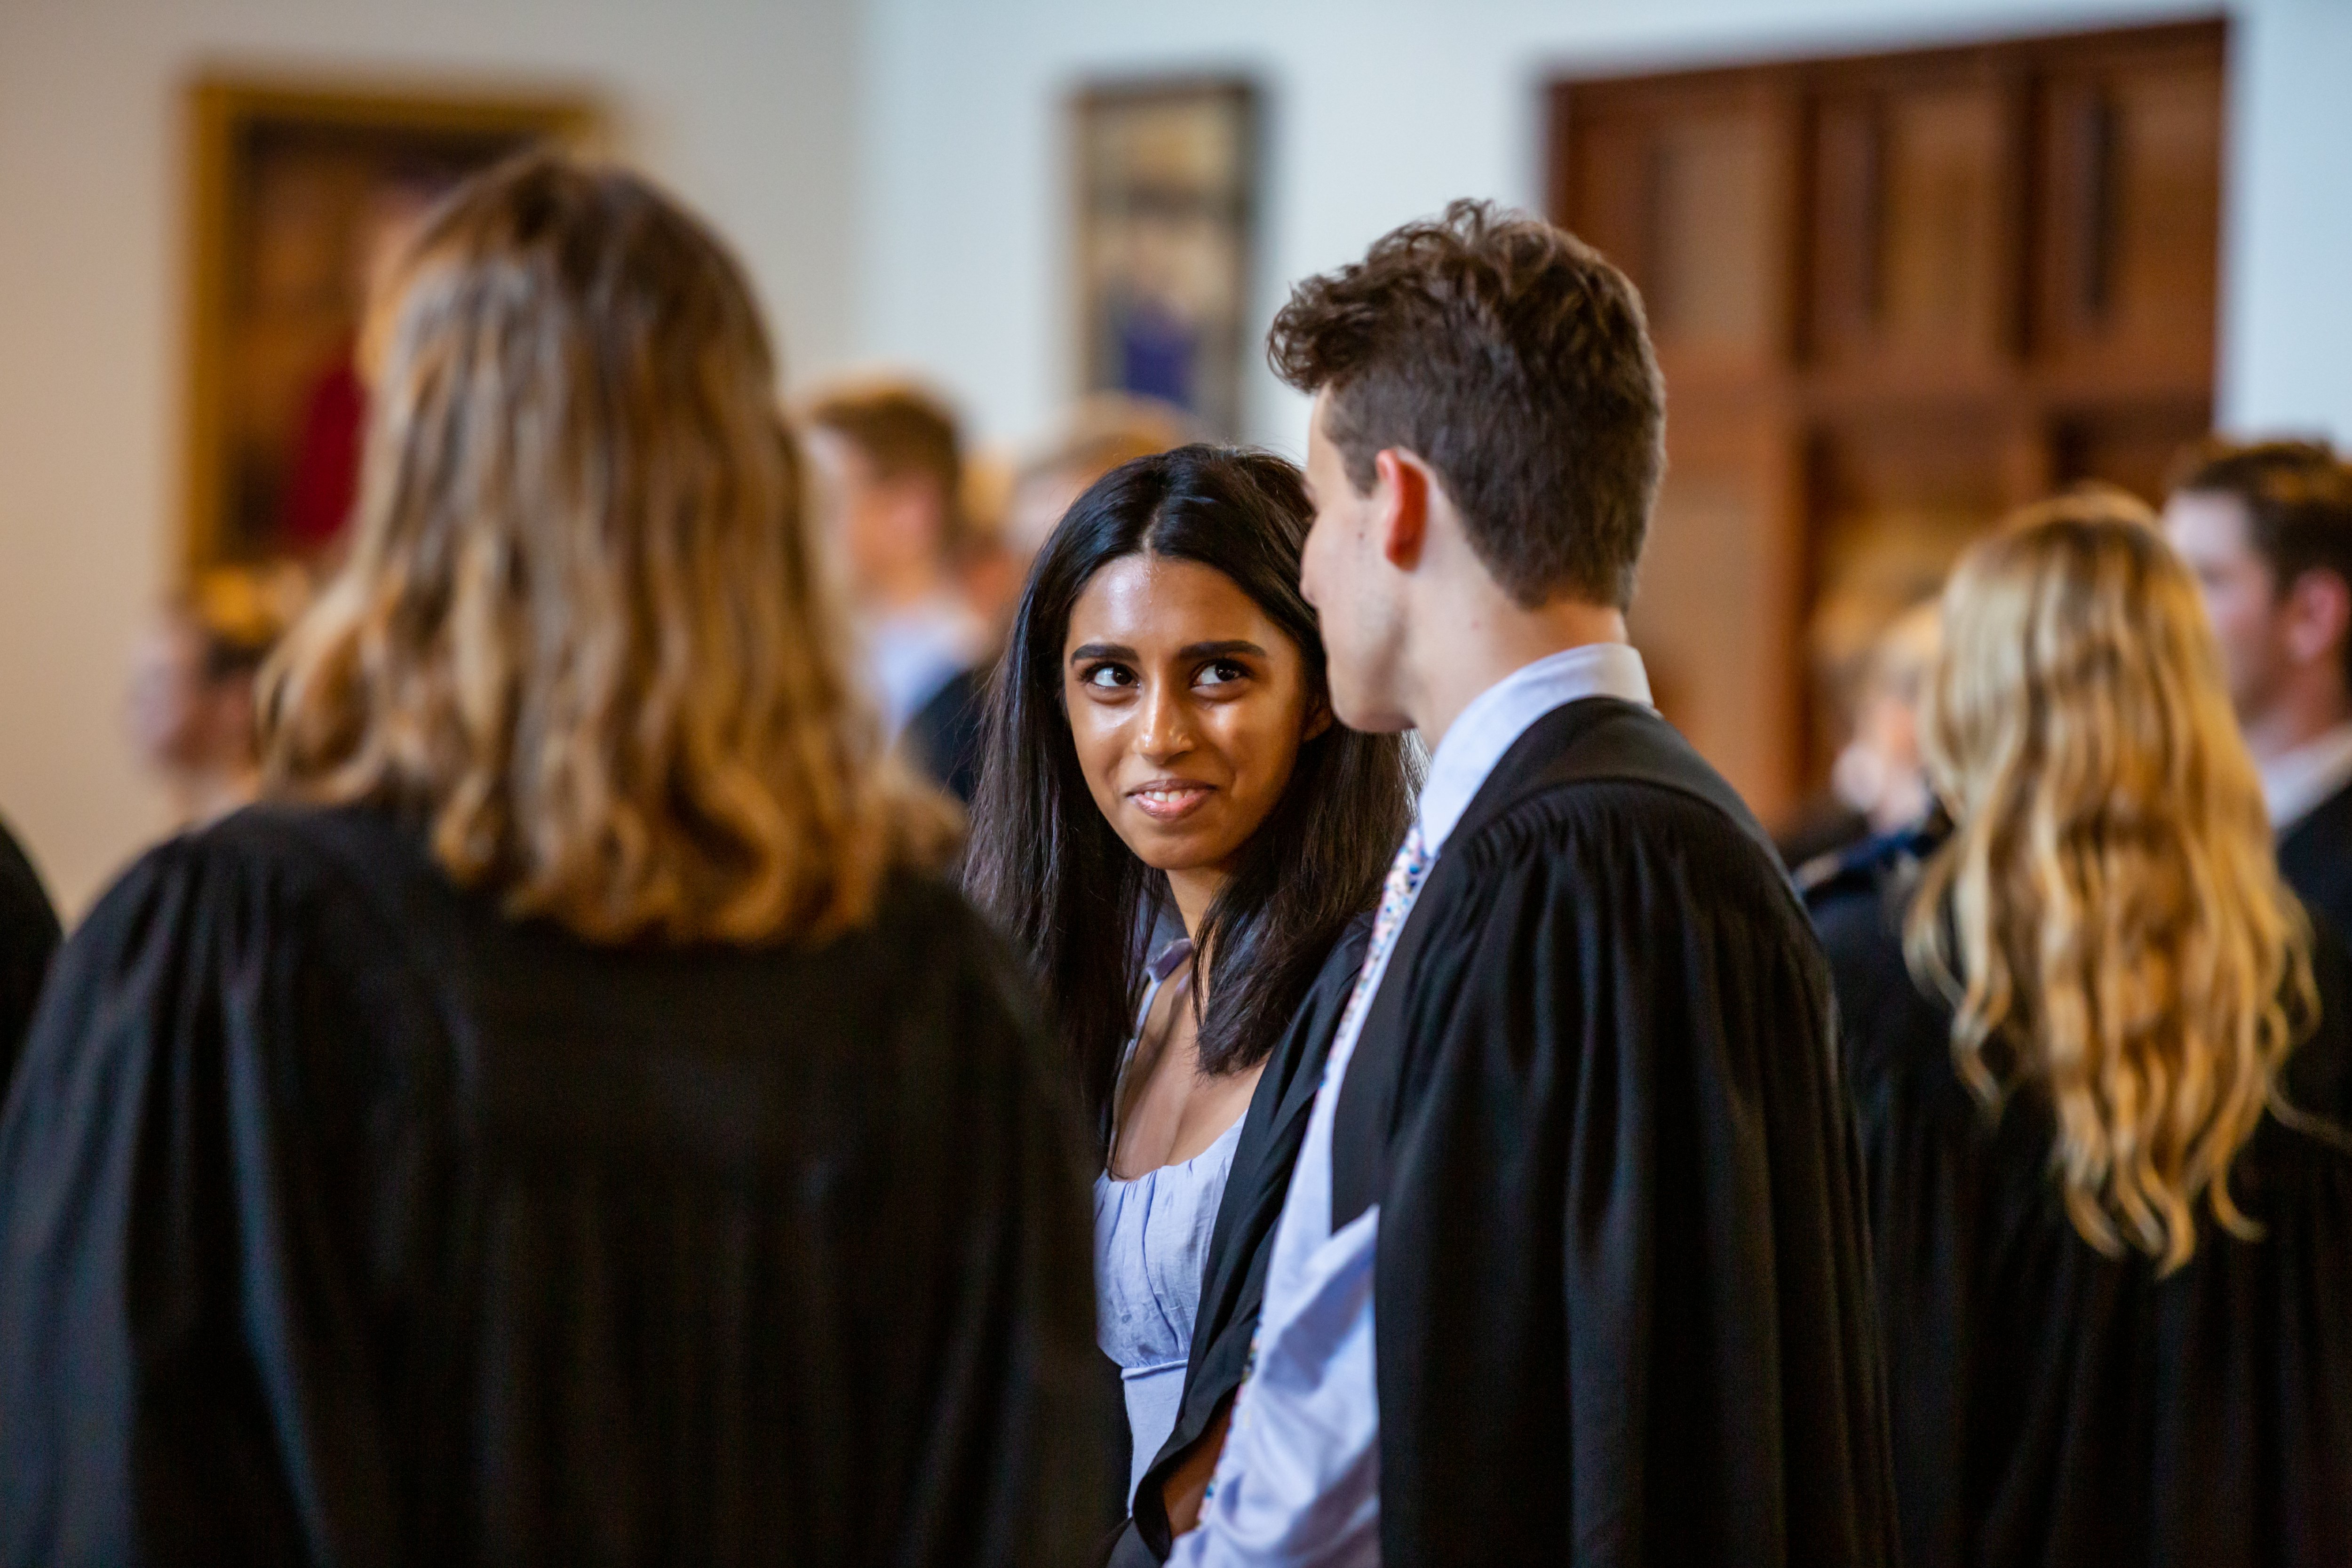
(2319, 615)
(1319, 719)
(1400, 484)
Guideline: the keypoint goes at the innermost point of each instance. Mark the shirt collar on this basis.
(2294, 783)
(1498, 716)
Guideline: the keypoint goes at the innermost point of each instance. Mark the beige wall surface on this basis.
(746, 107)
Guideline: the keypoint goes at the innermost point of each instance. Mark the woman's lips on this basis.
(1170, 802)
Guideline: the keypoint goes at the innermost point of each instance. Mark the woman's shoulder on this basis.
(2316, 1081)
(257, 861)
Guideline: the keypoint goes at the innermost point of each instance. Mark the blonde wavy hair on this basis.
(2108, 917)
(581, 634)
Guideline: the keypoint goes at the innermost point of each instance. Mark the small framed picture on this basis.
(1166, 204)
(298, 194)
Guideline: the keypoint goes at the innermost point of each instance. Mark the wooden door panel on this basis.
(1687, 193)
(1894, 296)
(2132, 446)
(1912, 229)
(1711, 615)
(2131, 208)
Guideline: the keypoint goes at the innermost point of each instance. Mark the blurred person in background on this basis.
(1104, 431)
(2267, 529)
(565, 1122)
(1162, 738)
(2102, 1077)
(892, 463)
(1878, 777)
(29, 934)
(192, 687)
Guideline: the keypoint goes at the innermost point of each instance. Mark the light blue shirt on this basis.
(1299, 1482)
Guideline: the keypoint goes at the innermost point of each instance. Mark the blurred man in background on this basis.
(191, 705)
(1101, 433)
(2267, 529)
(892, 466)
(1878, 779)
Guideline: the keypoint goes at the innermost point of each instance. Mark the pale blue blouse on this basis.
(1151, 1245)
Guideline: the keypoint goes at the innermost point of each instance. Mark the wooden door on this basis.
(1892, 296)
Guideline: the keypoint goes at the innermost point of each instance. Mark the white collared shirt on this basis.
(2295, 784)
(913, 652)
(1299, 1482)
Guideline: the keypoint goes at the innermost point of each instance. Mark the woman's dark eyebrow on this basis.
(1225, 649)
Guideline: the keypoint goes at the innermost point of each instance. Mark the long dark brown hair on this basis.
(1048, 864)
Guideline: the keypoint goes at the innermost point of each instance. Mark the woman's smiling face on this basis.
(1188, 705)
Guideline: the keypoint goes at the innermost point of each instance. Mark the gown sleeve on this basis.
(29, 935)
(1622, 1288)
(189, 1335)
(1009, 1464)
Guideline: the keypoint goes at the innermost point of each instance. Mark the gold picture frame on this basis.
(1167, 174)
(293, 190)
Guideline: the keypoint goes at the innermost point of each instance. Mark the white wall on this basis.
(745, 106)
(1383, 110)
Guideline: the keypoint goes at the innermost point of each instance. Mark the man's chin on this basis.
(1370, 718)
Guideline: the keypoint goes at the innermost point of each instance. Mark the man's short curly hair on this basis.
(1514, 359)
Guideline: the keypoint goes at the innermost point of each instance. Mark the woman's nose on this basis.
(1167, 723)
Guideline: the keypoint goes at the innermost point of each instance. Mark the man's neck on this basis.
(1467, 652)
(2296, 721)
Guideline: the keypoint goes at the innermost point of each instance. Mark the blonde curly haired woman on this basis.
(566, 1122)
(2101, 1069)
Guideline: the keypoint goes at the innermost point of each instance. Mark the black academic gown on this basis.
(29, 935)
(2053, 1406)
(1621, 1296)
(944, 734)
(2314, 854)
(1240, 1244)
(344, 1220)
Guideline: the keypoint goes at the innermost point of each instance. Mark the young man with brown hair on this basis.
(2267, 529)
(893, 466)
(1571, 1265)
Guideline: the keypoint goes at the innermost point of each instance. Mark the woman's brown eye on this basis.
(1105, 676)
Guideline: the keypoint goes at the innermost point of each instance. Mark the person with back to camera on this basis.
(2102, 1077)
(1571, 1264)
(1161, 736)
(2268, 531)
(564, 1122)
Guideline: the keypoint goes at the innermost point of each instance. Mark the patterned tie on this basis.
(1405, 874)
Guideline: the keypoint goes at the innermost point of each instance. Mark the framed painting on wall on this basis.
(1167, 188)
(298, 197)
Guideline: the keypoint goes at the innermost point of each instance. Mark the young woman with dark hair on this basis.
(1161, 738)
